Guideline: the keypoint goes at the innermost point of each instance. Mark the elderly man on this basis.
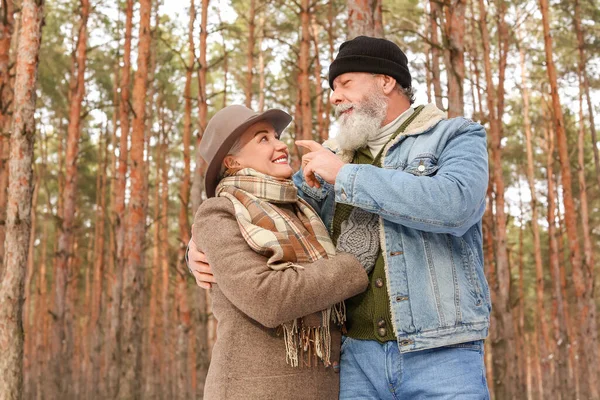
(403, 189)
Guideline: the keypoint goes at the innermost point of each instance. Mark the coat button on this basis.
(382, 332)
(421, 168)
(336, 367)
(381, 323)
(379, 282)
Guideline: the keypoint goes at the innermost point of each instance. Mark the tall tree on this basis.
(582, 275)
(365, 18)
(434, 16)
(303, 74)
(585, 84)
(454, 32)
(504, 351)
(135, 225)
(63, 339)
(250, 53)
(7, 21)
(18, 221)
(543, 340)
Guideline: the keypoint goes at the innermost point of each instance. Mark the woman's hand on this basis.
(199, 267)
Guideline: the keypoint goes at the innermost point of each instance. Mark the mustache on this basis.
(340, 108)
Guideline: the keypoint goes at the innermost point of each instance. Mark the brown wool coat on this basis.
(250, 301)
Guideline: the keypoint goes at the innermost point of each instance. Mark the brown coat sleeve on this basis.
(267, 296)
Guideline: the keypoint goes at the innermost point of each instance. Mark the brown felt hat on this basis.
(224, 128)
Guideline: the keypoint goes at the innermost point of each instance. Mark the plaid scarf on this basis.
(285, 239)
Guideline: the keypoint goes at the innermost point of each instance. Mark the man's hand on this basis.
(319, 161)
(199, 267)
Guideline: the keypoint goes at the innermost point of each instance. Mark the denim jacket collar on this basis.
(427, 119)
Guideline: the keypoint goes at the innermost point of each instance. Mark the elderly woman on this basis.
(280, 284)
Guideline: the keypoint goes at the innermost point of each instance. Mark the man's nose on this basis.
(336, 97)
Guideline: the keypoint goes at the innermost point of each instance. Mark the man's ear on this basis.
(230, 162)
(388, 84)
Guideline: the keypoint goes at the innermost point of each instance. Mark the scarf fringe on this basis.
(304, 346)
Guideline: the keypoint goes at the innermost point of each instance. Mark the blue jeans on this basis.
(372, 370)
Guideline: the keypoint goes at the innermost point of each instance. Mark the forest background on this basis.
(102, 108)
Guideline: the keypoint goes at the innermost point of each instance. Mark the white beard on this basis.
(363, 123)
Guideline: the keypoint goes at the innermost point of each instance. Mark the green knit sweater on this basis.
(368, 314)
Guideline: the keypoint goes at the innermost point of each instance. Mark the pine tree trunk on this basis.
(250, 54)
(95, 326)
(543, 342)
(183, 311)
(582, 276)
(318, 81)
(261, 68)
(565, 346)
(304, 65)
(18, 213)
(586, 85)
(166, 367)
(135, 225)
(364, 18)
(6, 100)
(63, 335)
(198, 180)
(454, 30)
(504, 349)
(330, 39)
(118, 207)
(434, 17)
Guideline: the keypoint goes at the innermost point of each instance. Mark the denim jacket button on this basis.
(344, 197)
(421, 168)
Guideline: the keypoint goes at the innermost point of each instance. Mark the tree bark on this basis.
(6, 101)
(504, 349)
(166, 367)
(364, 18)
(454, 30)
(586, 84)
(135, 225)
(62, 329)
(434, 17)
(251, 40)
(582, 276)
(545, 347)
(318, 81)
(95, 324)
(261, 67)
(303, 77)
(118, 207)
(565, 344)
(198, 180)
(18, 213)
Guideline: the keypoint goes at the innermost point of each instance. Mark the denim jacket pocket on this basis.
(422, 165)
(471, 271)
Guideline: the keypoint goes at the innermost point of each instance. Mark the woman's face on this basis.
(262, 151)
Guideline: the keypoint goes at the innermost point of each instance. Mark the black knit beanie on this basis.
(369, 54)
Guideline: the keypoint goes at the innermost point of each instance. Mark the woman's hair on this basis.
(237, 146)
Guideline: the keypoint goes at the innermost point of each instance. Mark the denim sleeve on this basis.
(313, 196)
(450, 202)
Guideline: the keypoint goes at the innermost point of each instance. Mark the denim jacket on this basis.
(430, 196)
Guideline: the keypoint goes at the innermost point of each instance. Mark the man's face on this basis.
(360, 106)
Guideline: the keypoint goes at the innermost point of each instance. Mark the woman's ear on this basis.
(230, 162)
